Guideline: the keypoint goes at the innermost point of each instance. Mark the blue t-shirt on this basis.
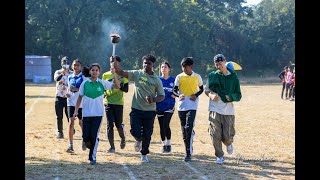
(75, 80)
(168, 102)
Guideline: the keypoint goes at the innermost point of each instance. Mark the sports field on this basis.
(264, 144)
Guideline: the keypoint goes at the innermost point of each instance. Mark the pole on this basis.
(113, 54)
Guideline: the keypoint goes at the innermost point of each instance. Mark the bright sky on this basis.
(252, 2)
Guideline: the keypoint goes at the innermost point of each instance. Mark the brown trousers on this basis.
(221, 130)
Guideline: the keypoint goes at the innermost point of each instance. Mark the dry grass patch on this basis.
(264, 143)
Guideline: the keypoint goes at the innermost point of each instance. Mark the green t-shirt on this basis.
(114, 96)
(145, 85)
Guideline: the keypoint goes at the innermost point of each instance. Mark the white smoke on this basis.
(108, 28)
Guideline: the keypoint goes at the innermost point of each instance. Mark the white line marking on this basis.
(196, 171)
(36, 101)
(129, 172)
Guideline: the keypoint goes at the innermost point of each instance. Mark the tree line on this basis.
(260, 38)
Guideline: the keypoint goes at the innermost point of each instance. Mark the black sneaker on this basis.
(111, 150)
(187, 158)
(164, 149)
(123, 144)
(70, 149)
(168, 149)
(93, 162)
(60, 135)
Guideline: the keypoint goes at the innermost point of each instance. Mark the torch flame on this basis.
(115, 35)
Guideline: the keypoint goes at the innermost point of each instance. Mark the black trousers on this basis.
(114, 117)
(60, 104)
(90, 134)
(293, 91)
(164, 119)
(288, 89)
(141, 123)
(283, 88)
(187, 123)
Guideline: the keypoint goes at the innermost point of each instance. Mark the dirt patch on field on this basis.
(264, 143)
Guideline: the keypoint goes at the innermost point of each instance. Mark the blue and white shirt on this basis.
(168, 102)
(74, 80)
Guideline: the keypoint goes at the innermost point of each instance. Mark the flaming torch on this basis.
(115, 38)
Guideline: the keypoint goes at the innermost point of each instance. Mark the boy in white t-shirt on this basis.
(188, 86)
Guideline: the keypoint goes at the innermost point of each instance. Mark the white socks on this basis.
(168, 142)
(164, 142)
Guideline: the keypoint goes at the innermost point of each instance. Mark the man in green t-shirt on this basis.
(148, 90)
(114, 106)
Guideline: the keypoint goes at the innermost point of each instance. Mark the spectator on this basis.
(282, 76)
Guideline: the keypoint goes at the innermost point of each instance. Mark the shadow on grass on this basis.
(27, 83)
(255, 167)
(44, 168)
(161, 166)
(38, 96)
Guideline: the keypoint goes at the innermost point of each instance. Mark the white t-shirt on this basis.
(188, 85)
(61, 85)
(92, 96)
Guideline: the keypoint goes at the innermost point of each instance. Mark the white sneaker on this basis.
(144, 158)
(230, 149)
(220, 160)
(138, 146)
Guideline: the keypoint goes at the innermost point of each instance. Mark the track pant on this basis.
(187, 119)
(221, 130)
(293, 91)
(283, 88)
(59, 104)
(164, 118)
(288, 89)
(114, 116)
(141, 123)
(91, 129)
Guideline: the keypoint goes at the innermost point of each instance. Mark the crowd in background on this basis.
(288, 77)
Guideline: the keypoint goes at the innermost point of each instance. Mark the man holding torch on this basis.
(148, 90)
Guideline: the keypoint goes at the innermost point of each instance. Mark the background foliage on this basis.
(260, 38)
